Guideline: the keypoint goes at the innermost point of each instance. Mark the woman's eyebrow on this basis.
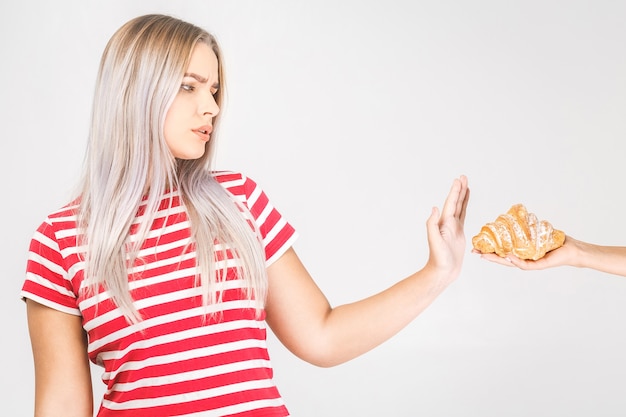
(197, 77)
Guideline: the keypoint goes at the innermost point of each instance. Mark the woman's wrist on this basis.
(582, 253)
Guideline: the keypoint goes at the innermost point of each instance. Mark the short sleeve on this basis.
(277, 233)
(47, 279)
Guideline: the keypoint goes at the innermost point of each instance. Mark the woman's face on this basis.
(189, 121)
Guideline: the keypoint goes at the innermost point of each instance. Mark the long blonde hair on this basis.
(140, 74)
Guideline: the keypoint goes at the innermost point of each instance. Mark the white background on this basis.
(355, 116)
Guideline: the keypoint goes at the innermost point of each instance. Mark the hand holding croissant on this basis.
(519, 233)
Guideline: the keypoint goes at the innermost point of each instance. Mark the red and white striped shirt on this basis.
(177, 361)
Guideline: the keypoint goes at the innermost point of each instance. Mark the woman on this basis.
(165, 272)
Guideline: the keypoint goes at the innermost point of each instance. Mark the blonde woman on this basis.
(165, 273)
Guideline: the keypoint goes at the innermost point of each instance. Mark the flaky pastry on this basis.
(518, 232)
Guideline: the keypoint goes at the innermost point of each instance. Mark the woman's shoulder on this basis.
(226, 177)
(64, 214)
(59, 225)
(235, 182)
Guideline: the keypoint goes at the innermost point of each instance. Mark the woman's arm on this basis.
(302, 318)
(62, 373)
(609, 259)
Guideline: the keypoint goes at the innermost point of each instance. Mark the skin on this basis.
(62, 373)
(576, 253)
(297, 310)
(301, 317)
(194, 107)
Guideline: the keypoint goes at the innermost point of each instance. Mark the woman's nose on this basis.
(209, 106)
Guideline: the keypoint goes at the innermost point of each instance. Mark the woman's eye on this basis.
(187, 87)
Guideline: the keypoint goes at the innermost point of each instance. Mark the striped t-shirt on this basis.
(178, 361)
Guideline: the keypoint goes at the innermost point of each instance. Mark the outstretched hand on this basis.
(576, 253)
(446, 237)
(562, 256)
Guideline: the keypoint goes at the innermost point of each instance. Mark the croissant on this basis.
(519, 233)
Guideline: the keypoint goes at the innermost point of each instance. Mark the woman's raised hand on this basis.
(446, 237)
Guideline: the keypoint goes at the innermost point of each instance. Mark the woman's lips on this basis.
(204, 132)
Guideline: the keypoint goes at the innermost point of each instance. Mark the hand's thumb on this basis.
(432, 226)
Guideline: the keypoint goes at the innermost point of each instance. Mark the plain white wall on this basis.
(355, 116)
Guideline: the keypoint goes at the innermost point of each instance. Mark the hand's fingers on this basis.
(525, 264)
(463, 198)
(463, 209)
(449, 207)
(518, 263)
(501, 261)
(491, 257)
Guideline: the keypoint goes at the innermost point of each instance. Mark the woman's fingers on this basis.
(456, 202)
(452, 200)
(432, 226)
(463, 199)
(492, 257)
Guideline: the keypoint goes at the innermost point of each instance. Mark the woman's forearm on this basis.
(355, 328)
(609, 259)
